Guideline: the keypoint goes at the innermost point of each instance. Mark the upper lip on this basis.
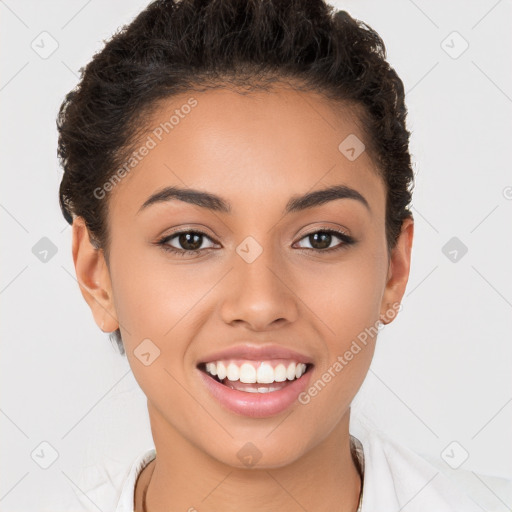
(256, 353)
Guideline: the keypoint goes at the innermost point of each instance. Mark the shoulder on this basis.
(127, 494)
(396, 478)
(108, 484)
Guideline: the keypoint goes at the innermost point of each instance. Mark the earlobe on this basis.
(398, 273)
(93, 277)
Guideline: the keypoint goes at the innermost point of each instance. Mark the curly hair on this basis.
(176, 46)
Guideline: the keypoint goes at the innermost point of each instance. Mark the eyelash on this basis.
(346, 241)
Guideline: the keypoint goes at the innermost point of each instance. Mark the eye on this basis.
(321, 240)
(187, 242)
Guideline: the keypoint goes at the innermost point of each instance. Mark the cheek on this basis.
(157, 298)
(346, 297)
(346, 300)
(149, 298)
(154, 301)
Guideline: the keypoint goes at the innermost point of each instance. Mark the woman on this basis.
(237, 175)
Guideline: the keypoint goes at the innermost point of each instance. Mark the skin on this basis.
(255, 151)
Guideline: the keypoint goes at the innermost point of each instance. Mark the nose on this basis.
(258, 294)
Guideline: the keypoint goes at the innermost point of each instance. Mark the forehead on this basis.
(261, 146)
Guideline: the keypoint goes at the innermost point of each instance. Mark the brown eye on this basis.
(190, 241)
(185, 242)
(321, 240)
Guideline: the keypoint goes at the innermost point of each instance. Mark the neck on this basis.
(184, 477)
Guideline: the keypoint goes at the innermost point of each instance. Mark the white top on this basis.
(395, 479)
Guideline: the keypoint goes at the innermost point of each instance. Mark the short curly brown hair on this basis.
(176, 46)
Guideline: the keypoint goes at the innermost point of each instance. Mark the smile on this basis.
(255, 388)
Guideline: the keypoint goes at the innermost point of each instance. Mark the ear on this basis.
(93, 277)
(398, 273)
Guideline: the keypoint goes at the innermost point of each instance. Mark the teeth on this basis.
(247, 373)
(233, 372)
(260, 372)
(221, 370)
(260, 390)
(265, 374)
(211, 368)
(290, 371)
(280, 373)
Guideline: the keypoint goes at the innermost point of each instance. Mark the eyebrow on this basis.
(216, 203)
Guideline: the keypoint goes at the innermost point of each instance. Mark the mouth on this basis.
(255, 389)
(255, 376)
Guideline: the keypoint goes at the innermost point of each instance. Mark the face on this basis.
(267, 270)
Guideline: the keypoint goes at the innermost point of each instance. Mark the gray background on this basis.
(441, 372)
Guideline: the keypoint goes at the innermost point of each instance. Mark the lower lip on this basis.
(256, 405)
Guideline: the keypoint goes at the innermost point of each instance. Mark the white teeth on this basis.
(260, 390)
(280, 373)
(221, 370)
(233, 372)
(290, 372)
(247, 373)
(211, 368)
(262, 373)
(265, 374)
